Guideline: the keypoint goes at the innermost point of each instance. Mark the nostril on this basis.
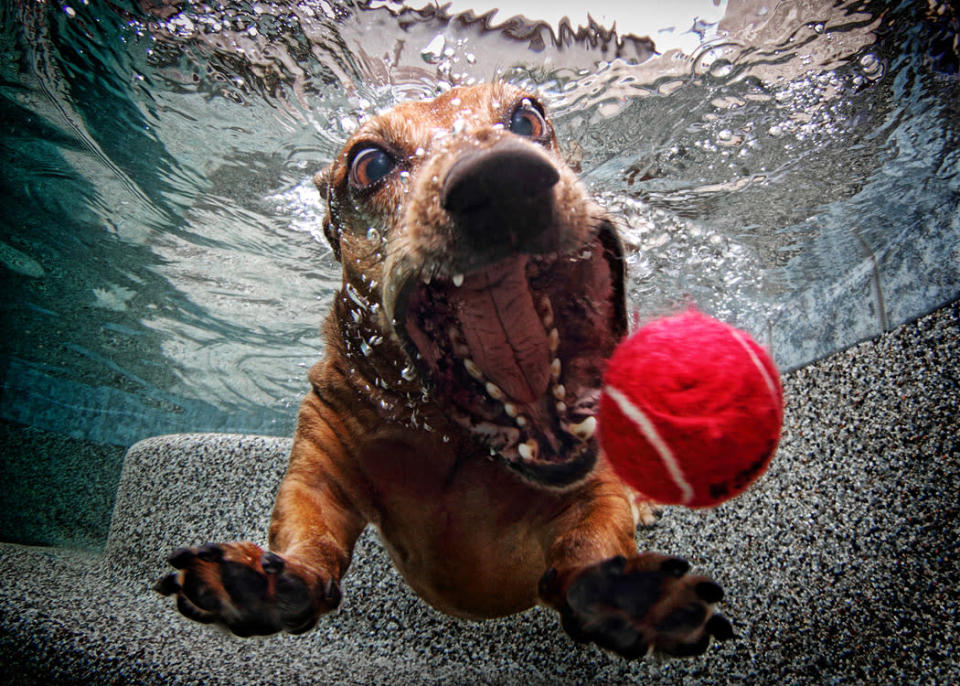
(500, 176)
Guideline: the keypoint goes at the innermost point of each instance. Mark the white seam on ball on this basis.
(649, 431)
(771, 386)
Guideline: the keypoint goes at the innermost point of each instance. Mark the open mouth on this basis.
(515, 351)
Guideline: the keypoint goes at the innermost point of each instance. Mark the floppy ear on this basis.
(322, 181)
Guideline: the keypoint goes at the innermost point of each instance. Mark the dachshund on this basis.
(454, 408)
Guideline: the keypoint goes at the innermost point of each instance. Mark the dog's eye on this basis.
(369, 166)
(527, 121)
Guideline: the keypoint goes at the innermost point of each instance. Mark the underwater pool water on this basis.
(160, 254)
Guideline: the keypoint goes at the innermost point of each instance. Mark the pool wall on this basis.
(840, 565)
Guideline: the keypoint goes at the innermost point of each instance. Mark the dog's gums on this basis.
(516, 355)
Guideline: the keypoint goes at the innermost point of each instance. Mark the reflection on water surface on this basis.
(162, 264)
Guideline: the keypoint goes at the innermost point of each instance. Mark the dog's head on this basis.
(488, 265)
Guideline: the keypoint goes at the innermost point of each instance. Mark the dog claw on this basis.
(271, 563)
(181, 558)
(331, 594)
(210, 552)
(191, 611)
(168, 585)
(709, 592)
(720, 628)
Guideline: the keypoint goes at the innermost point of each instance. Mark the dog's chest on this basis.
(457, 531)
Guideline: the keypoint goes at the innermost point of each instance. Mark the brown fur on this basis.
(473, 536)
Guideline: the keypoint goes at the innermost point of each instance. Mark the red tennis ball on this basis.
(691, 410)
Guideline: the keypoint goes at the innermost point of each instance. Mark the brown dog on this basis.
(454, 409)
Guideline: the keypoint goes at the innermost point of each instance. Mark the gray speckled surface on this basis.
(841, 565)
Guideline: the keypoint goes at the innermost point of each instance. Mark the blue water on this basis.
(161, 261)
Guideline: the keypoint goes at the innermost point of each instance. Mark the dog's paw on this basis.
(639, 605)
(247, 590)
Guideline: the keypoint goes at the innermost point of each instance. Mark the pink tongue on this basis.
(505, 335)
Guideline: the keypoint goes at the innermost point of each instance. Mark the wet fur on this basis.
(469, 534)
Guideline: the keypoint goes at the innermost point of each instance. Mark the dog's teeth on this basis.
(521, 421)
(559, 391)
(511, 409)
(472, 369)
(426, 277)
(529, 450)
(584, 429)
(553, 339)
(457, 280)
(460, 347)
(546, 310)
(494, 391)
(561, 407)
(555, 368)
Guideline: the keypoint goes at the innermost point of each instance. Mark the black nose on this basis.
(501, 196)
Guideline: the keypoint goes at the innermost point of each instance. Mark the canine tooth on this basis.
(457, 280)
(494, 391)
(553, 339)
(460, 347)
(472, 369)
(529, 450)
(511, 409)
(547, 312)
(559, 391)
(584, 429)
(555, 368)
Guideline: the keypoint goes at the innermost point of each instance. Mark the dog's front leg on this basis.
(629, 602)
(314, 528)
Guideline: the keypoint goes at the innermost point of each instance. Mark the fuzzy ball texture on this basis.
(691, 410)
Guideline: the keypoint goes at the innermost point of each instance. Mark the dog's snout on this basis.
(498, 176)
(501, 194)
